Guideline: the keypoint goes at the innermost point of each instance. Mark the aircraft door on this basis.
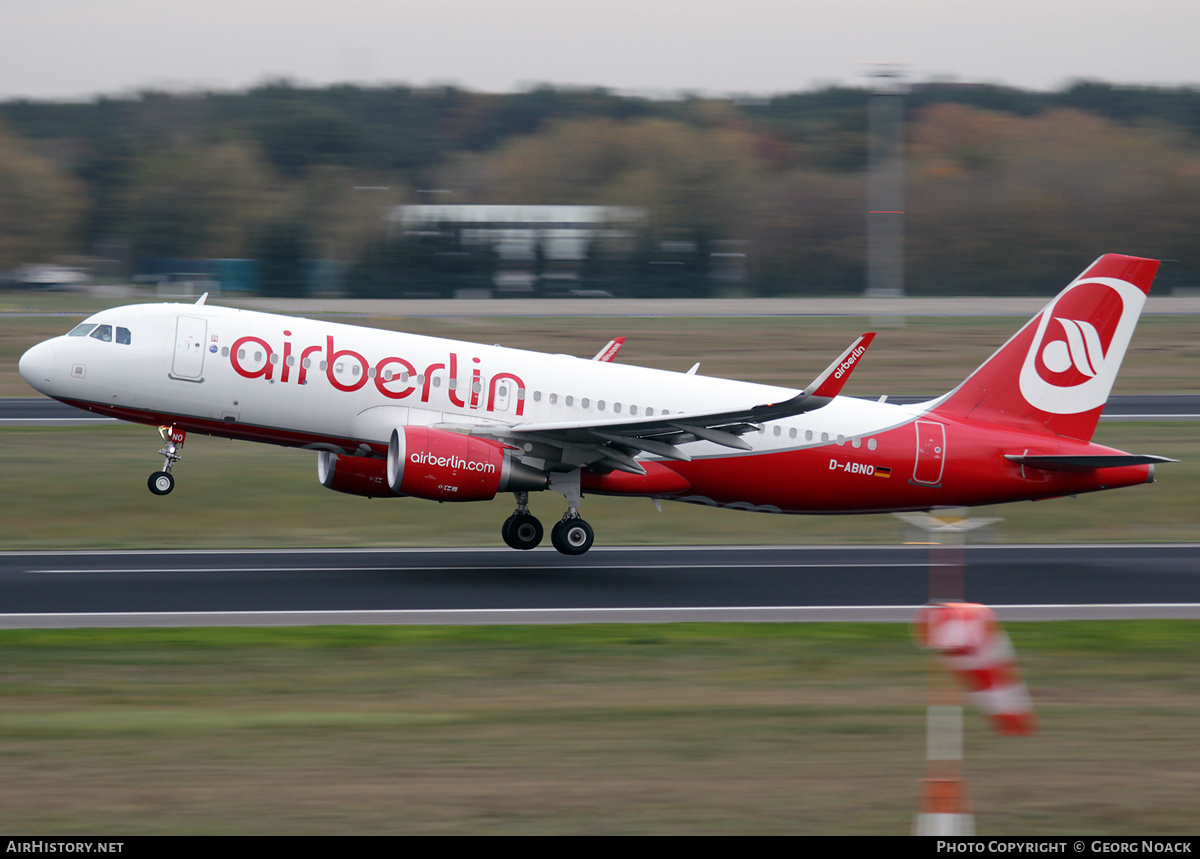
(188, 364)
(504, 395)
(931, 453)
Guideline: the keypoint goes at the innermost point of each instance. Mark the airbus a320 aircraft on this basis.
(392, 414)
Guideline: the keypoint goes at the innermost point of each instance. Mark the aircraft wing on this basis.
(615, 442)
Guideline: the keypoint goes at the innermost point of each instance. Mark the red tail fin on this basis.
(1055, 374)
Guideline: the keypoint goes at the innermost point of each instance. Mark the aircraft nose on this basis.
(37, 366)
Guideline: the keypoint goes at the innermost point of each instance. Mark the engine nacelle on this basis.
(354, 475)
(446, 466)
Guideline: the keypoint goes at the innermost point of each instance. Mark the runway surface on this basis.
(262, 587)
(606, 585)
(43, 411)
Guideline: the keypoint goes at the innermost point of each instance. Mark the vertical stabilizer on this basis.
(1055, 374)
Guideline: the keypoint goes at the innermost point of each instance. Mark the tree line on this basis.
(1006, 191)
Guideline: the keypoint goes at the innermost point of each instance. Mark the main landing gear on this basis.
(571, 535)
(522, 530)
(162, 482)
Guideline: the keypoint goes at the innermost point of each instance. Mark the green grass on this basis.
(85, 487)
(607, 729)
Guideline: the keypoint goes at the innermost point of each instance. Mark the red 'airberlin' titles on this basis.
(390, 375)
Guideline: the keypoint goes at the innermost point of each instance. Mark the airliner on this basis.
(392, 414)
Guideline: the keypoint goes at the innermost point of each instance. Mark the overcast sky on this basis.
(79, 48)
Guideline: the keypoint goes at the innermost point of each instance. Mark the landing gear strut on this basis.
(572, 535)
(522, 530)
(162, 482)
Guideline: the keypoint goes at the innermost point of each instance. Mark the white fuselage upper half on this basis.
(325, 384)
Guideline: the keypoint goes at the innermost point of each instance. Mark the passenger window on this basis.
(123, 336)
(102, 332)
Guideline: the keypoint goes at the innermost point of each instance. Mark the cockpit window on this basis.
(123, 335)
(82, 330)
(102, 332)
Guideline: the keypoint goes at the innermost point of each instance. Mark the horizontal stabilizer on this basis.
(829, 383)
(1085, 462)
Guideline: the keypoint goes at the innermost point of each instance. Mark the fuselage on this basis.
(343, 388)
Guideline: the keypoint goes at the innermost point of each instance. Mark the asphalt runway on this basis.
(795, 583)
(606, 585)
(43, 411)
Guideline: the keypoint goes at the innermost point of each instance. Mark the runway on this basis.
(758, 584)
(610, 584)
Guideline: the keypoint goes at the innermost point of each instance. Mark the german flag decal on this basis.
(880, 471)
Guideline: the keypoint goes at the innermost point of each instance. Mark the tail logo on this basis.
(1081, 350)
(1079, 345)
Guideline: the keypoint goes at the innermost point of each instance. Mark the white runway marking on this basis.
(462, 617)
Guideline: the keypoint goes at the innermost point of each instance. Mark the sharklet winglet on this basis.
(830, 382)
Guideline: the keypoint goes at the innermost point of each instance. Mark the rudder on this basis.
(1055, 374)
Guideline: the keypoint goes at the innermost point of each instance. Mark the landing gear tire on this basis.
(572, 536)
(161, 483)
(522, 531)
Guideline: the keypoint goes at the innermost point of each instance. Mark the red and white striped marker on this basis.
(974, 646)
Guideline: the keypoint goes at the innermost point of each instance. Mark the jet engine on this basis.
(446, 466)
(354, 475)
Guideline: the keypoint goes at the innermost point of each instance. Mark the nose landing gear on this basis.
(162, 482)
